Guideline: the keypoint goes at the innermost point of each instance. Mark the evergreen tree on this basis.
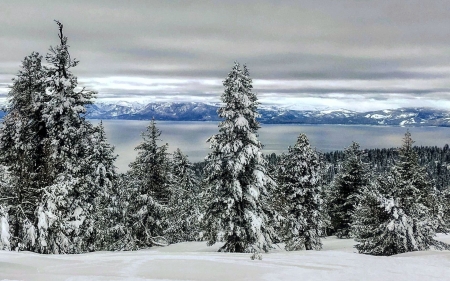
(49, 151)
(185, 202)
(300, 197)
(118, 217)
(64, 211)
(150, 186)
(57, 222)
(102, 193)
(343, 192)
(400, 212)
(22, 144)
(434, 159)
(237, 208)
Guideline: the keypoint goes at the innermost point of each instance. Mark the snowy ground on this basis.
(195, 261)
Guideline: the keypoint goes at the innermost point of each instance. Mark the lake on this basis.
(191, 137)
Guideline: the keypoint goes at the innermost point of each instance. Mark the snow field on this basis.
(195, 261)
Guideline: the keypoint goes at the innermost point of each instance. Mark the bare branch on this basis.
(63, 44)
(7, 198)
(60, 35)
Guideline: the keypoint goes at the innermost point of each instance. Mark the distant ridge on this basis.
(197, 111)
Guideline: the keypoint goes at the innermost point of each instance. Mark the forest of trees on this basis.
(60, 192)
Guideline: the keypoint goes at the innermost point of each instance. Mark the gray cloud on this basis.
(386, 46)
(355, 90)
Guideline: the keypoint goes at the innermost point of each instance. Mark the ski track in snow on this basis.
(195, 261)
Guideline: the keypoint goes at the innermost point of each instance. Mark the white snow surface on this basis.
(195, 261)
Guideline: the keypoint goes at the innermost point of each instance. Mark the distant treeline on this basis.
(436, 161)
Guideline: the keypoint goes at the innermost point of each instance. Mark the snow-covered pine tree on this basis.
(342, 194)
(300, 195)
(185, 202)
(150, 185)
(102, 192)
(444, 198)
(22, 144)
(399, 212)
(56, 223)
(119, 234)
(64, 209)
(237, 207)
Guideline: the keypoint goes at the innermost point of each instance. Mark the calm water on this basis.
(191, 137)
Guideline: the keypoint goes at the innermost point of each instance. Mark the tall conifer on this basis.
(64, 211)
(301, 203)
(150, 188)
(399, 212)
(185, 201)
(22, 144)
(343, 192)
(237, 210)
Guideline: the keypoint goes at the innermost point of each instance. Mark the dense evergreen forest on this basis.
(436, 161)
(60, 192)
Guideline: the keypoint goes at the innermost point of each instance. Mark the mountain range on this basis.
(197, 111)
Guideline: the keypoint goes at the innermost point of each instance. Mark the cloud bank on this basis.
(352, 54)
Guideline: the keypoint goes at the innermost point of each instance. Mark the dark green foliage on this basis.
(118, 222)
(436, 161)
(103, 193)
(342, 194)
(399, 212)
(300, 197)
(185, 202)
(149, 187)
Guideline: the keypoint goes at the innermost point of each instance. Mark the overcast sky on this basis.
(359, 55)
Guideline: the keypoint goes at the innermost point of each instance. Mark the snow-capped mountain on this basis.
(112, 110)
(394, 117)
(197, 111)
(173, 111)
